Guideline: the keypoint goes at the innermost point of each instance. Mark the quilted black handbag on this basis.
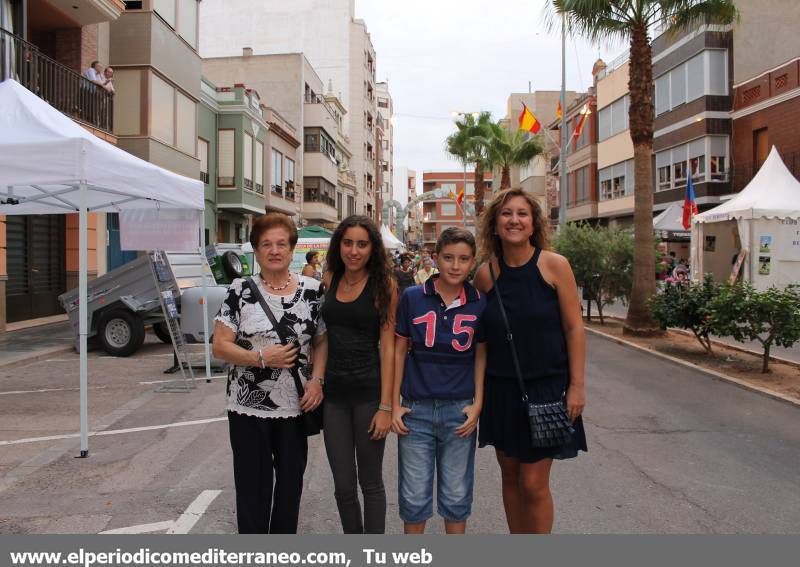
(312, 420)
(548, 422)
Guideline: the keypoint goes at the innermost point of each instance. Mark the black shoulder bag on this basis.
(548, 422)
(311, 419)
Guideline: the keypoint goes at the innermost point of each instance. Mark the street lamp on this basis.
(475, 115)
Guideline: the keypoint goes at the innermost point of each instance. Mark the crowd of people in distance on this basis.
(413, 344)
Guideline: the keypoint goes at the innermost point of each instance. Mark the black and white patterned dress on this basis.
(270, 392)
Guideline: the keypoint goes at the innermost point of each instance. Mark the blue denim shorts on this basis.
(433, 446)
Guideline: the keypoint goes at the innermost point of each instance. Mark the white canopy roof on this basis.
(44, 156)
(772, 193)
(390, 241)
(671, 219)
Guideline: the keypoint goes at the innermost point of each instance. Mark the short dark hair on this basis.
(94, 63)
(273, 220)
(454, 235)
(310, 255)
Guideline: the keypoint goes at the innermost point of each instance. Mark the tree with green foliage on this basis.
(506, 149)
(467, 145)
(771, 317)
(603, 20)
(687, 305)
(601, 260)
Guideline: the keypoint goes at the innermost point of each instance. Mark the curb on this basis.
(713, 373)
(718, 342)
(23, 359)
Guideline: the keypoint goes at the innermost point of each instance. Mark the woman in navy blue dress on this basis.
(541, 300)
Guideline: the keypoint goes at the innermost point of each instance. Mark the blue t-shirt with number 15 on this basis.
(441, 362)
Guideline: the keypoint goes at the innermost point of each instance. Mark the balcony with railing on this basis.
(318, 206)
(64, 89)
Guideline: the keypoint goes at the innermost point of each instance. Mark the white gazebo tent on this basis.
(390, 241)
(51, 165)
(763, 219)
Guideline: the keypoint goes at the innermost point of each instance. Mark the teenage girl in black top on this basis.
(359, 313)
(541, 300)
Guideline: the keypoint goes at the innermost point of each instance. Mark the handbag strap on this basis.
(509, 335)
(251, 283)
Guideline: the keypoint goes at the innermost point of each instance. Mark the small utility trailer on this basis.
(125, 300)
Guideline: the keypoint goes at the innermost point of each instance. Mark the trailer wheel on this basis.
(121, 332)
(232, 264)
(162, 332)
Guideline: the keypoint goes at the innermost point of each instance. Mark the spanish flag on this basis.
(460, 197)
(528, 122)
(579, 127)
(558, 110)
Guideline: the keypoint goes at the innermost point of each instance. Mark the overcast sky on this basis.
(441, 56)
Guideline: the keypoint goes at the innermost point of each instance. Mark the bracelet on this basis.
(384, 407)
(320, 379)
(260, 359)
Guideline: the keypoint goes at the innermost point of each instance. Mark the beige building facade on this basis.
(614, 146)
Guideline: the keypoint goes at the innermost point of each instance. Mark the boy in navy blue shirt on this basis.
(440, 358)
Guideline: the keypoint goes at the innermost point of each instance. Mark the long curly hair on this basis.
(489, 243)
(380, 280)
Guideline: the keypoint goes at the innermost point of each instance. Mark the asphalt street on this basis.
(670, 451)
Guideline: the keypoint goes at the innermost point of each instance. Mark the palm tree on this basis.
(466, 145)
(603, 20)
(507, 149)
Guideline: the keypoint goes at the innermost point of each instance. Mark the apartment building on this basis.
(692, 128)
(581, 158)
(346, 182)
(384, 143)
(766, 87)
(45, 45)
(533, 177)
(294, 90)
(237, 148)
(338, 47)
(444, 212)
(614, 146)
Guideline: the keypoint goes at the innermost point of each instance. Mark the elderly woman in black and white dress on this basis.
(267, 433)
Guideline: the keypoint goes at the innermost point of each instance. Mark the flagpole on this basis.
(562, 209)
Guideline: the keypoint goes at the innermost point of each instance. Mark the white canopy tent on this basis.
(390, 241)
(763, 219)
(51, 165)
(669, 224)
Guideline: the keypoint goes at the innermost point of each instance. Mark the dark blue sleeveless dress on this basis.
(535, 319)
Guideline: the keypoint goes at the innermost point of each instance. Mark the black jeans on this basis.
(348, 444)
(261, 446)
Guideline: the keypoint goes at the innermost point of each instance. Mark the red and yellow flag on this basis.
(558, 111)
(460, 197)
(528, 122)
(579, 127)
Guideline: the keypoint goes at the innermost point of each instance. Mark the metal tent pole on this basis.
(205, 293)
(83, 269)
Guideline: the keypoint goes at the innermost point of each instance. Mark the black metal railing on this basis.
(276, 190)
(742, 174)
(204, 176)
(65, 89)
(259, 189)
(248, 184)
(313, 195)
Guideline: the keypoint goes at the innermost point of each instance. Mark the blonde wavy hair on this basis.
(489, 243)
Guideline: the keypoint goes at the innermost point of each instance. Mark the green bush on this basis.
(687, 305)
(602, 261)
(771, 317)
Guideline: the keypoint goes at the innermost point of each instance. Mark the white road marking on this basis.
(194, 512)
(143, 383)
(197, 378)
(142, 528)
(182, 525)
(45, 390)
(113, 431)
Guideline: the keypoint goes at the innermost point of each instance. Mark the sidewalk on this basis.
(26, 344)
(619, 311)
